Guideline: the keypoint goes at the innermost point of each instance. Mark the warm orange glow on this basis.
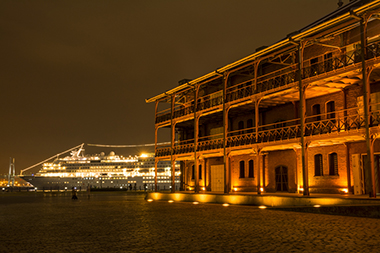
(203, 188)
(235, 189)
(195, 202)
(171, 201)
(262, 207)
(261, 189)
(345, 190)
(317, 205)
(149, 200)
(226, 204)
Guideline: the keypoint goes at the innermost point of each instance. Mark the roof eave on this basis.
(284, 42)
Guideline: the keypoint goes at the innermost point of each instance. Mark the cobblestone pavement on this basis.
(119, 222)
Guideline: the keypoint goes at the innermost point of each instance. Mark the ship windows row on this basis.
(160, 181)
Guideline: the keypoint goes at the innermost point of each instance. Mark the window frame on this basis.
(251, 169)
(242, 169)
(318, 168)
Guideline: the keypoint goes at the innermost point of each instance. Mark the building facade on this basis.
(299, 116)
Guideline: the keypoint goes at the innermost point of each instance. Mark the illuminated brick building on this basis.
(301, 115)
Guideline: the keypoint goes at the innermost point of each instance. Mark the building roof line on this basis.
(289, 40)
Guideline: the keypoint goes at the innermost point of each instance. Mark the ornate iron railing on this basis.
(210, 142)
(239, 91)
(241, 137)
(332, 62)
(279, 131)
(327, 123)
(209, 101)
(277, 78)
(163, 150)
(183, 147)
(179, 111)
(163, 116)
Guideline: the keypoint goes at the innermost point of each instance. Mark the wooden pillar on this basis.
(181, 176)
(257, 118)
(173, 176)
(229, 183)
(155, 174)
(225, 129)
(344, 112)
(205, 175)
(258, 171)
(302, 123)
(196, 130)
(263, 158)
(366, 97)
(172, 140)
(348, 166)
(155, 149)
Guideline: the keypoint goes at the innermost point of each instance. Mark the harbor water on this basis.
(126, 222)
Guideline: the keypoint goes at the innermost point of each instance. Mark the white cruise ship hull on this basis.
(66, 183)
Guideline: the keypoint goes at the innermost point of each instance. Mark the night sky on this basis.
(77, 72)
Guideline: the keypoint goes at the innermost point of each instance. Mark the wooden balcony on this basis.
(343, 125)
(275, 81)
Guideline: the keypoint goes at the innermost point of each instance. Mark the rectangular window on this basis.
(333, 164)
(318, 165)
(242, 169)
(250, 169)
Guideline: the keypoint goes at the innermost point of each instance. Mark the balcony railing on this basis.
(327, 123)
(183, 147)
(179, 111)
(209, 101)
(332, 62)
(210, 142)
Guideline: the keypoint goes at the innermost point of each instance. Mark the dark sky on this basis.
(80, 71)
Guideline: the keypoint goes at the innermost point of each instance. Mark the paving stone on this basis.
(127, 223)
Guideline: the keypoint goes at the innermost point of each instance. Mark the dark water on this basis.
(120, 222)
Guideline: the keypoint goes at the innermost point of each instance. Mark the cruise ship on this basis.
(97, 171)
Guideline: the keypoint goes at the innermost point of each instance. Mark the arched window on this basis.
(250, 168)
(192, 172)
(318, 165)
(333, 164)
(241, 169)
(200, 171)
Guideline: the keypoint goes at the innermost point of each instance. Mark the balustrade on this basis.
(241, 137)
(275, 79)
(209, 101)
(333, 122)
